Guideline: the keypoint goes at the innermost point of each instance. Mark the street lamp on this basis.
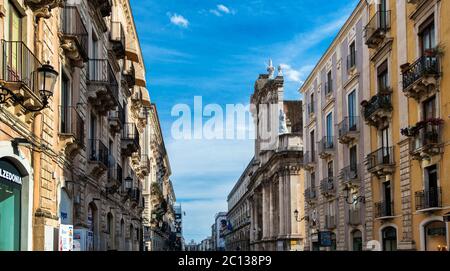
(46, 80)
(128, 182)
(361, 199)
(296, 214)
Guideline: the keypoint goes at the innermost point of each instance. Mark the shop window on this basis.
(435, 236)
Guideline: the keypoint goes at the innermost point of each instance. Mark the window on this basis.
(313, 148)
(431, 187)
(435, 236)
(352, 55)
(109, 223)
(383, 80)
(330, 169)
(65, 103)
(387, 204)
(329, 83)
(352, 110)
(15, 31)
(93, 126)
(311, 110)
(313, 180)
(427, 35)
(383, 14)
(389, 236)
(357, 240)
(429, 108)
(353, 161)
(329, 121)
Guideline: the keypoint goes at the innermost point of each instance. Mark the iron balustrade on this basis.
(326, 144)
(428, 135)
(380, 23)
(354, 217)
(330, 222)
(71, 123)
(100, 71)
(430, 198)
(310, 193)
(351, 173)
(117, 35)
(384, 209)
(309, 158)
(118, 114)
(131, 133)
(72, 26)
(328, 186)
(134, 194)
(381, 100)
(351, 61)
(98, 152)
(424, 66)
(19, 65)
(348, 125)
(384, 156)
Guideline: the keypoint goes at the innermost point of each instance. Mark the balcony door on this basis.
(14, 54)
(329, 130)
(431, 187)
(353, 162)
(385, 151)
(427, 36)
(387, 199)
(382, 8)
(351, 102)
(66, 97)
(313, 144)
(382, 77)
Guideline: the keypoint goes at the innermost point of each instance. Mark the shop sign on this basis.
(5, 174)
(325, 239)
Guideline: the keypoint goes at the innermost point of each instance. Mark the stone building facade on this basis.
(275, 177)
(402, 185)
(83, 159)
(334, 137)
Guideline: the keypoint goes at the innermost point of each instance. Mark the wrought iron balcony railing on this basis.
(383, 157)
(134, 194)
(354, 217)
(18, 67)
(326, 146)
(380, 102)
(351, 174)
(73, 28)
(330, 222)
(309, 158)
(130, 139)
(421, 77)
(428, 199)
(377, 28)
(100, 72)
(328, 186)
(117, 37)
(384, 209)
(310, 194)
(98, 152)
(426, 139)
(348, 129)
(71, 123)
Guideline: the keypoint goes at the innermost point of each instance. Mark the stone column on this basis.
(265, 210)
(281, 207)
(271, 210)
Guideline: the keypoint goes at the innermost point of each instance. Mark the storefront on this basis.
(10, 206)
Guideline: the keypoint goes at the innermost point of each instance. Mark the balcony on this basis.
(311, 110)
(290, 142)
(378, 110)
(330, 222)
(377, 28)
(115, 175)
(102, 86)
(420, 79)
(348, 130)
(71, 130)
(145, 165)
(129, 74)
(43, 8)
(351, 175)
(130, 139)
(18, 73)
(74, 36)
(97, 157)
(384, 210)
(326, 147)
(104, 6)
(354, 217)
(134, 195)
(309, 160)
(117, 39)
(116, 119)
(310, 195)
(429, 200)
(328, 187)
(426, 140)
(381, 162)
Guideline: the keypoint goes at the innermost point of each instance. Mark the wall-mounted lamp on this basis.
(296, 215)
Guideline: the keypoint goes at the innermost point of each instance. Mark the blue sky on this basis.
(217, 49)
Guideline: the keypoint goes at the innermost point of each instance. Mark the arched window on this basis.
(435, 236)
(389, 236)
(357, 240)
(109, 223)
(92, 226)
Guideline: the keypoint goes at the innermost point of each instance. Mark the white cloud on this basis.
(295, 75)
(223, 8)
(178, 20)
